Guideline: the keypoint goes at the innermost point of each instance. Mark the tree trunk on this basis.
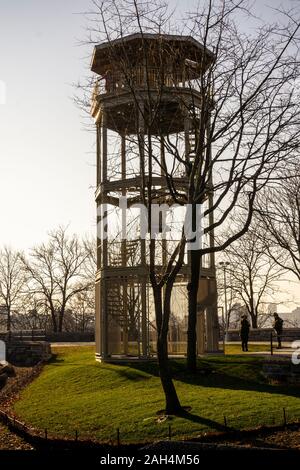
(60, 321)
(8, 324)
(252, 309)
(254, 320)
(172, 402)
(54, 321)
(192, 311)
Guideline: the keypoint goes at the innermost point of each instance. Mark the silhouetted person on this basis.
(109, 84)
(278, 326)
(245, 327)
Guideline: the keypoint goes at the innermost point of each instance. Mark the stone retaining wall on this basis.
(27, 353)
(264, 334)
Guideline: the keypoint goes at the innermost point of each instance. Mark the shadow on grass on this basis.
(56, 359)
(213, 374)
(204, 421)
(223, 373)
(134, 375)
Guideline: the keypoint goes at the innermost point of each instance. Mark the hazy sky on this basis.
(45, 165)
(46, 159)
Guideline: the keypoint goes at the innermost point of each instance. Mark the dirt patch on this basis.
(8, 395)
(11, 391)
(10, 441)
(288, 438)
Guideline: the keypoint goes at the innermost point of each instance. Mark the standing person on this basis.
(245, 327)
(278, 326)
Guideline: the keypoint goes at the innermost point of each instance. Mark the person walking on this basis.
(278, 327)
(244, 332)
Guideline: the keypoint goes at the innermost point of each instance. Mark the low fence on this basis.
(281, 339)
(43, 440)
(23, 335)
(227, 428)
(51, 337)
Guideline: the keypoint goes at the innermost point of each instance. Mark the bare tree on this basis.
(144, 142)
(253, 275)
(231, 310)
(243, 126)
(278, 213)
(13, 281)
(57, 270)
(252, 121)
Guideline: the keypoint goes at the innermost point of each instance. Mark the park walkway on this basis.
(285, 351)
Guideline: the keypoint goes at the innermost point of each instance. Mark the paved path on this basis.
(276, 353)
(286, 349)
(57, 345)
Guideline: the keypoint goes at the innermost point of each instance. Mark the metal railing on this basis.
(26, 335)
(282, 337)
(142, 77)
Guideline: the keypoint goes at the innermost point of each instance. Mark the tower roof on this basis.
(179, 48)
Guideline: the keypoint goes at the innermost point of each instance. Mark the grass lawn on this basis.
(76, 393)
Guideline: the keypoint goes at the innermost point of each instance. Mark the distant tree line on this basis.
(50, 287)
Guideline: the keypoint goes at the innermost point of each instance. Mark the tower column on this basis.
(104, 214)
(144, 327)
(104, 179)
(99, 172)
(124, 251)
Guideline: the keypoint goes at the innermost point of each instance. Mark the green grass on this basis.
(74, 392)
(237, 349)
